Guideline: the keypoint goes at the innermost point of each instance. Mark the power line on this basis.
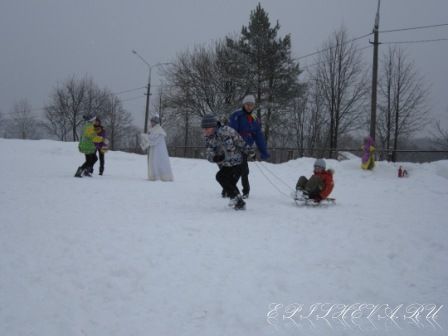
(417, 41)
(322, 50)
(304, 67)
(413, 28)
(130, 90)
(381, 31)
(134, 98)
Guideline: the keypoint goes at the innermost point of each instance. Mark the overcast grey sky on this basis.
(44, 42)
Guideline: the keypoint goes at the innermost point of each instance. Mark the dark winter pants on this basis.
(228, 178)
(90, 161)
(245, 175)
(312, 187)
(101, 156)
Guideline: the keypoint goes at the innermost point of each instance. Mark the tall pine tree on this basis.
(269, 71)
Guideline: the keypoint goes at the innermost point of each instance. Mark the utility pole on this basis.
(148, 94)
(374, 73)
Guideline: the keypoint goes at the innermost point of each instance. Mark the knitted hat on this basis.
(320, 163)
(249, 99)
(209, 121)
(155, 120)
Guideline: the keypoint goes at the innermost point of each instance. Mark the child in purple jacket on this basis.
(368, 156)
(101, 143)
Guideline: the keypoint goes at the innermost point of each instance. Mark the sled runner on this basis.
(302, 200)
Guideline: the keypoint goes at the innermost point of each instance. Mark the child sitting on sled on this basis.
(319, 185)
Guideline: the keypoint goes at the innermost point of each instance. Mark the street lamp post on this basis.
(148, 93)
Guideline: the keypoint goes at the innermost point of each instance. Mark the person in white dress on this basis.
(159, 167)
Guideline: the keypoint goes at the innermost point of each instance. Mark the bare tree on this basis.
(196, 83)
(316, 122)
(306, 123)
(340, 78)
(68, 103)
(57, 119)
(294, 134)
(292, 121)
(76, 98)
(22, 124)
(402, 100)
(2, 124)
(117, 122)
(440, 137)
(194, 88)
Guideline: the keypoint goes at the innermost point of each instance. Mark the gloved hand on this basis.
(251, 155)
(218, 158)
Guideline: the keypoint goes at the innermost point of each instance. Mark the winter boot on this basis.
(239, 203)
(79, 172)
(246, 196)
(300, 195)
(87, 172)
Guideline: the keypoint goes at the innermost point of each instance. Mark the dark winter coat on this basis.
(249, 127)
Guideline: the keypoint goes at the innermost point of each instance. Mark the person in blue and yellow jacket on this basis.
(248, 127)
(87, 147)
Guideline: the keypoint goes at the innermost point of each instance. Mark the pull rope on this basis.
(277, 177)
(259, 166)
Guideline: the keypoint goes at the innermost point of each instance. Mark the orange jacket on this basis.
(327, 177)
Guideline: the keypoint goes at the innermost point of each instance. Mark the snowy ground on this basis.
(118, 255)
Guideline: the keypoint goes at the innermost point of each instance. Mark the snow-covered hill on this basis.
(118, 255)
